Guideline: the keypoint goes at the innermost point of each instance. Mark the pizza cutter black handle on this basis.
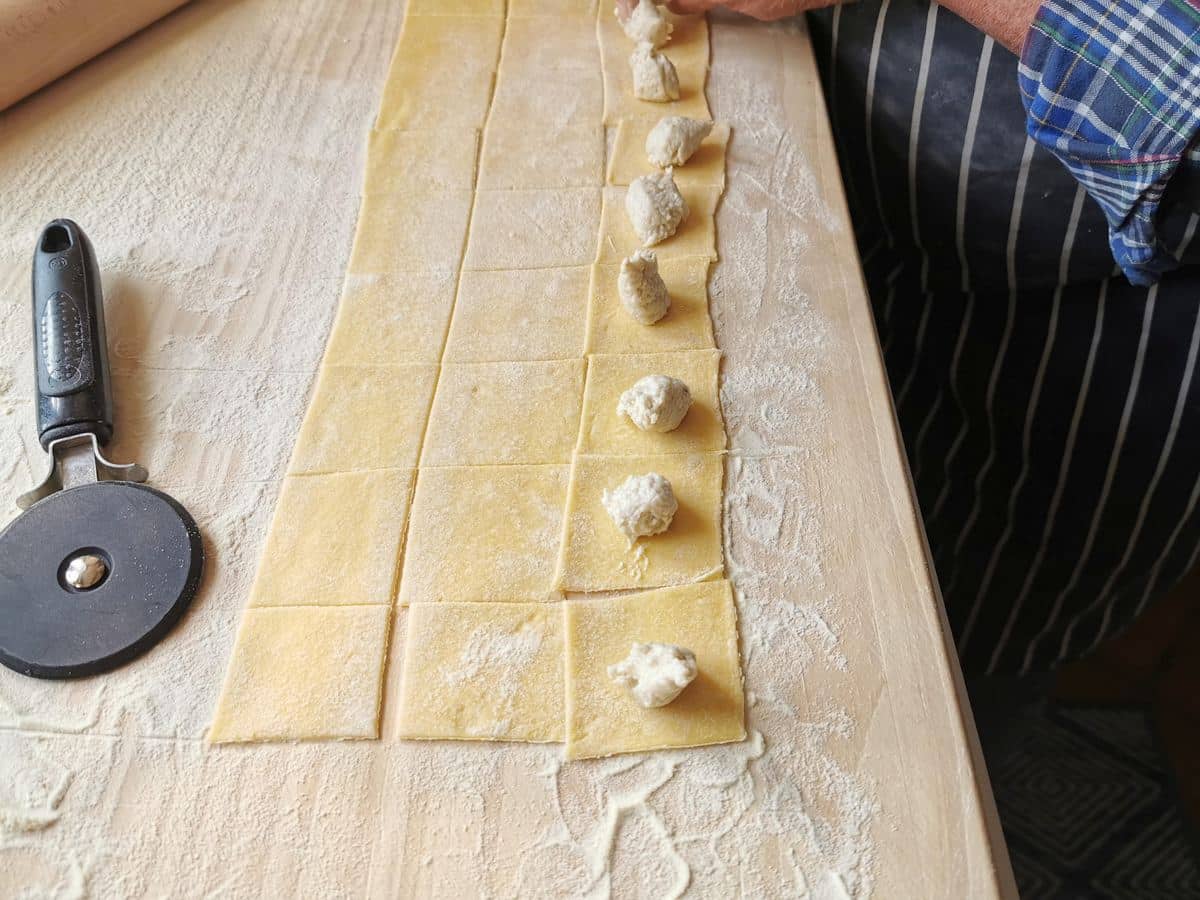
(73, 391)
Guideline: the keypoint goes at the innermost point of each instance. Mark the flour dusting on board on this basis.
(113, 793)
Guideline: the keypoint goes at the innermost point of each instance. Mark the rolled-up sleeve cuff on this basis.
(1113, 90)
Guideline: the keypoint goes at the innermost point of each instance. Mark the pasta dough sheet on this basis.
(534, 229)
(596, 556)
(484, 534)
(580, 8)
(519, 314)
(567, 95)
(475, 671)
(535, 46)
(391, 319)
(364, 417)
(455, 8)
(441, 72)
(687, 49)
(304, 673)
(605, 431)
(603, 718)
(505, 413)
(695, 237)
(545, 152)
(334, 539)
(406, 231)
(439, 159)
(686, 326)
(629, 160)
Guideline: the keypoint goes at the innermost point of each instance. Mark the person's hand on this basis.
(759, 9)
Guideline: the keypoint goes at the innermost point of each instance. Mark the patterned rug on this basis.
(1089, 808)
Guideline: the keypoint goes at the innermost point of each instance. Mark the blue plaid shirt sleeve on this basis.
(1112, 88)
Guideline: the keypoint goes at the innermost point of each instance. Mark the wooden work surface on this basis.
(215, 160)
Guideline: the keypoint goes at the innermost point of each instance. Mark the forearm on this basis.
(1005, 20)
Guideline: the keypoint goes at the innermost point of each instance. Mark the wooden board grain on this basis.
(218, 173)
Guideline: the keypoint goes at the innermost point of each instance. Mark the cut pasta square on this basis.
(417, 230)
(629, 160)
(391, 319)
(686, 326)
(334, 539)
(364, 417)
(484, 534)
(606, 431)
(505, 413)
(695, 237)
(534, 229)
(441, 72)
(687, 50)
(597, 557)
(436, 159)
(304, 673)
(519, 314)
(483, 671)
(603, 718)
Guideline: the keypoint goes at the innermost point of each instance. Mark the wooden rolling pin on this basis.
(43, 39)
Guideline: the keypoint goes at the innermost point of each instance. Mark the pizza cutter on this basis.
(99, 566)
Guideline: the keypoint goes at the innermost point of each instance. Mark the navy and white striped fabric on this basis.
(1049, 408)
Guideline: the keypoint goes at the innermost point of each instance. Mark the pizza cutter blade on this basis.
(99, 566)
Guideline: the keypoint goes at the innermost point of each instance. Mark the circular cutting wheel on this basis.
(141, 558)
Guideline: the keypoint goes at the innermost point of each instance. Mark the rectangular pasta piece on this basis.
(441, 72)
(505, 413)
(416, 230)
(391, 319)
(696, 235)
(484, 534)
(304, 673)
(519, 314)
(483, 671)
(596, 555)
(434, 159)
(534, 229)
(455, 8)
(334, 539)
(602, 717)
(687, 50)
(686, 326)
(628, 160)
(606, 431)
(364, 417)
